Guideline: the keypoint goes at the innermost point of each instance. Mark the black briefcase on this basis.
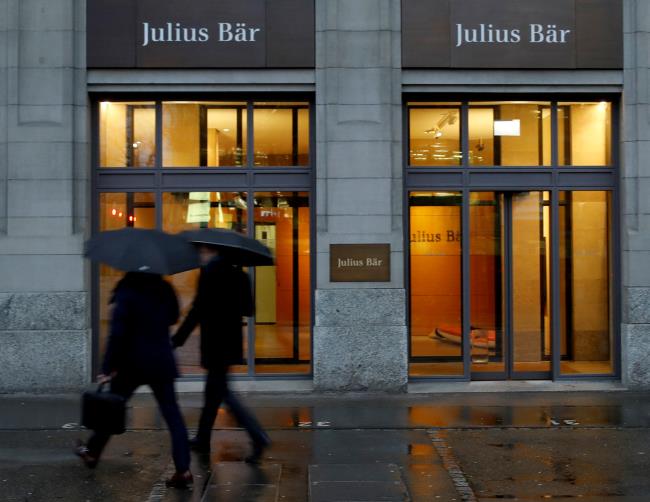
(103, 411)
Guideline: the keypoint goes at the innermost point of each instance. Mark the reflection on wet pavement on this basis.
(583, 446)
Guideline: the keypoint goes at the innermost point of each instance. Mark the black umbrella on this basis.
(237, 248)
(140, 250)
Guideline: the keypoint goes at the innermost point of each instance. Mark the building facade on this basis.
(453, 190)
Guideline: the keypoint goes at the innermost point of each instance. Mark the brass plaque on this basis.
(359, 262)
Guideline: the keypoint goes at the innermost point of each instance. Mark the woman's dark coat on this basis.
(139, 347)
(223, 297)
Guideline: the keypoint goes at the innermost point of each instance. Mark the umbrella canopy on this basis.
(140, 250)
(237, 248)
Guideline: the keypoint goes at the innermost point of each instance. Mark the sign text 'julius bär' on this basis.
(360, 262)
(491, 34)
(174, 32)
(200, 34)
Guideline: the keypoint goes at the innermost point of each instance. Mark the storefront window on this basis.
(116, 211)
(434, 135)
(188, 210)
(585, 282)
(281, 134)
(435, 254)
(510, 134)
(487, 315)
(584, 134)
(283, 291)
(127, 134)
(197, 139)
(204, 134)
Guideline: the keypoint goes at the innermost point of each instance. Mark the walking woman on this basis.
(223, 297)
(139, 352)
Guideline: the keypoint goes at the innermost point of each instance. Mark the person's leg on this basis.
(97, 442)
(246, 419)
(213, 394)
(166, 398)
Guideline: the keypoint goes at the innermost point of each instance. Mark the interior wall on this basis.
(590, 279)
(181, 135)
(526, 280)
(435, 268)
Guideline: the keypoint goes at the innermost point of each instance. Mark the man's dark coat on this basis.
(223, 297)
(139, 347)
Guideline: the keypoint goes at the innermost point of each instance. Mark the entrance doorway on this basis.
(512, 257)
(526, 295)
(510, 327)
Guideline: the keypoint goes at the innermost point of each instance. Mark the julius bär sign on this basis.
(512, 34)
(359, 262)
(200, 34)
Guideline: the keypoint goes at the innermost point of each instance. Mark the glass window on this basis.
(510, 134)
(584, 134)
(531, 281)
(434, 136)
(127, 134)
(487, 281)
(119, 210)
(205, 134)
(585, 283)
(435, 253)
(281, 134)
(188, 210)
(283, 291)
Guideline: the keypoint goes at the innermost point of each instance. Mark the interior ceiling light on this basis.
(448, 118)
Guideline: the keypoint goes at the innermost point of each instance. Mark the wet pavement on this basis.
(586, 446)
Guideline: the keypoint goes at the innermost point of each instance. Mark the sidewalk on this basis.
(588, 446)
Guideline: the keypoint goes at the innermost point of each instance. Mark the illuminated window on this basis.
(434, 138)
(281, 134)
(510, 133)
(205, 134)
(127, 134)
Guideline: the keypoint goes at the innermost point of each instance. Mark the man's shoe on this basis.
(199, 446)
(81, 451)
(181, 480)
(258, 448)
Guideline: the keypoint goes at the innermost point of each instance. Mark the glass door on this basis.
(510, 328)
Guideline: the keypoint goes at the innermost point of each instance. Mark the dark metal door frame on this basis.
(506, 303)
(554, 179)
(248, 179)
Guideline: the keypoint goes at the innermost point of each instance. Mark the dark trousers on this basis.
(216, 392)
(166, 399)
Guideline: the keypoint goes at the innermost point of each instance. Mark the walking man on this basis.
(139, 352)
(223, 297)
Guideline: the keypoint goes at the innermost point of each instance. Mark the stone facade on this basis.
(44, 315)
(635, 186)
(360, 331)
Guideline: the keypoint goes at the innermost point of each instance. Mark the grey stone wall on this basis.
(43, 186)
(359, 192)
(362, 338)
(635, 189)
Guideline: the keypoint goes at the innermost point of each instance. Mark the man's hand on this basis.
(102, 379)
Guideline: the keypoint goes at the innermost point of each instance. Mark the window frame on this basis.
(248, 178)
(471, 101)
(466, 178)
